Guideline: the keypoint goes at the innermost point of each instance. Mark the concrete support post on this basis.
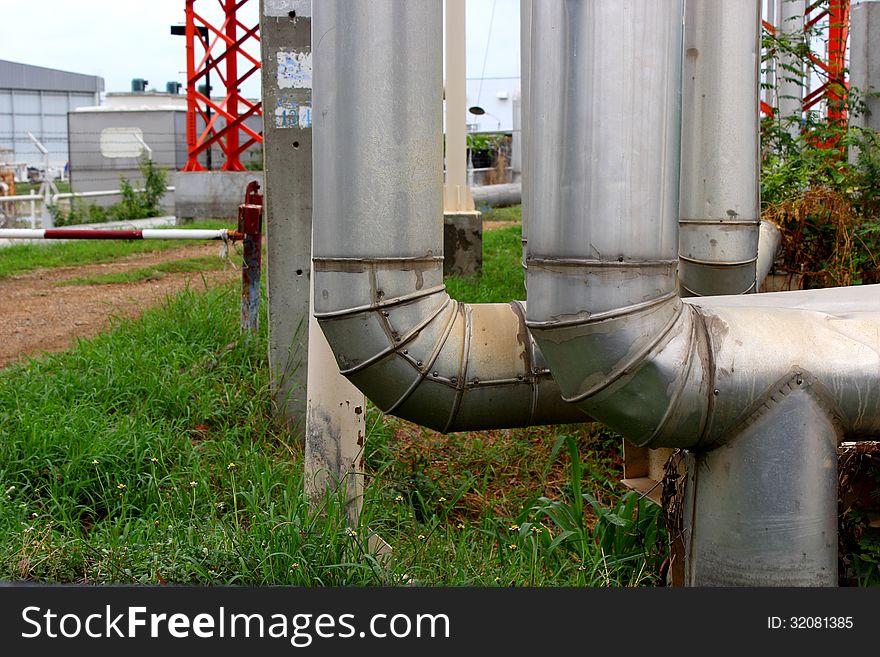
(333, 409)
(285, 36)
(462, 224)
(864, 58)
(790, 68)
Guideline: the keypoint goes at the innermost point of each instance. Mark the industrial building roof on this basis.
(14, 75)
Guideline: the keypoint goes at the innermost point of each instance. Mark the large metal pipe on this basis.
(379, 294)
(498, 196)
(720, 208)
(605, 311)
(603, 240)
(525, 58)
(751, 373)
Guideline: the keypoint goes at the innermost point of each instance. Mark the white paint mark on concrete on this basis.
(291, 114)
(279, 8)
(294, 69)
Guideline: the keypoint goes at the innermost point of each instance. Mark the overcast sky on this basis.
(125, 39)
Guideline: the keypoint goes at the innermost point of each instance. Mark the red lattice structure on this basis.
(832, 63)
(221, 50)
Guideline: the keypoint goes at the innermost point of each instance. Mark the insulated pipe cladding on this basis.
(378, 244)
(724, 377)
(730, 371)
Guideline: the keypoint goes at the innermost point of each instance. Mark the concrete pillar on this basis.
(315, 400)
(462, 224)
(864, 58)
(790, 69)
(285, 37)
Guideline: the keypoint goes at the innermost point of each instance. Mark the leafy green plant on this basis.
(135, 204)
(627, 539)
(819, 180)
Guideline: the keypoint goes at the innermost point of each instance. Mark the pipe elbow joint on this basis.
(422, 356)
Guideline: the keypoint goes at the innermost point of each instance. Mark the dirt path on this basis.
(493, 225)
(37, 314)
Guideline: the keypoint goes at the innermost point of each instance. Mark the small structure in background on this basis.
(36, 100)
(110, 141)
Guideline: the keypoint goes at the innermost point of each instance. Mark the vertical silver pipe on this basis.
(379, 83)
(720, 208)
(604, 148)
(525, 45)
(762, 510)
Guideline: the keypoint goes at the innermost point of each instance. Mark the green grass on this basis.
(21, 188)
(502, 277)
(148, 454)
(510, 213)
(153, 273)
(21, 258)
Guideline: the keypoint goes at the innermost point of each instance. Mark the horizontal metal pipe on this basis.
(117, 234)
(377, 241)
(769, 241)
(497, 196)
(20, 197)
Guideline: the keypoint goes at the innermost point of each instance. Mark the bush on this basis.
(134, 204)
(819, 186)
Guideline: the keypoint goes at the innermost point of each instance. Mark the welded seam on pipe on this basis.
(392, 348)
(423, 368)
(530, 361)
(631, 364)
(587, 263)
(719, 263)
(381, 305)
(680, 384)
(693, 293)
(461, 383)
(606, 316)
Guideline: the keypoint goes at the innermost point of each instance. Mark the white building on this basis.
(36, 100)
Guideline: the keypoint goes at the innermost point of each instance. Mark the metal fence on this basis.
(32, 209)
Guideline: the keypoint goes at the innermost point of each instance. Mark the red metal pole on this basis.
(192, 163)
(232, 93)
(838, 32)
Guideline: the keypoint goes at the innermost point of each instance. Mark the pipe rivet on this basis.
(519, 377)
(406, 351)
(619, 258)
(384, 313)
(453, 380)
(716, 392)
(476, 382)
(799, 381)
(418, 362)
(435, 374)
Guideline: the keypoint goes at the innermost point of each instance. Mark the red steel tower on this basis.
(223, 50)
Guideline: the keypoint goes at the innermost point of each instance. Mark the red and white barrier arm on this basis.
(111, 234)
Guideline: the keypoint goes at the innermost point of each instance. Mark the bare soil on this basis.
(39, 315)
